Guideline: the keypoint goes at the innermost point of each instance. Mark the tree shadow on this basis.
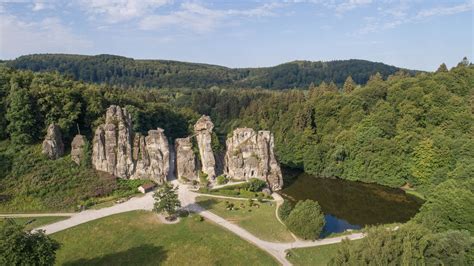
(207, 203)
(141, 255)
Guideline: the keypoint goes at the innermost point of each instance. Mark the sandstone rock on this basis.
(203, 131)
(53, 145)
(185, 159)
(99, 158)
(116, 150)
(250, 155)
(154, 157)
(77, 148)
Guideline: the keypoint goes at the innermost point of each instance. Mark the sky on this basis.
(415, 34)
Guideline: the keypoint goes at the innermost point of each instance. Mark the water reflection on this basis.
(352, 205)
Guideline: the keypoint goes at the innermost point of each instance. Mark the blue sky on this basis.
(414, 34)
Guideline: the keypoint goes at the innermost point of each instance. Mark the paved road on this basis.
(137, 203)
(188, 201)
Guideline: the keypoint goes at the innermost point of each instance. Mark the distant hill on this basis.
(123, 71)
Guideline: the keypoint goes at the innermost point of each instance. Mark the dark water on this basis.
(353, 205)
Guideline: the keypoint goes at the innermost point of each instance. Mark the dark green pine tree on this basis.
(20, 115)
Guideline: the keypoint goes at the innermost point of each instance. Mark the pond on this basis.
(353, 205)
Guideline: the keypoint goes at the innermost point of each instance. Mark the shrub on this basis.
(199, 218)
(306, 220)
(285, 210)
(221, 180)
(203, 178)
(256, 185)
(250, 202)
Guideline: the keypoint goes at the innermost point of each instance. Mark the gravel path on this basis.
(188, 201)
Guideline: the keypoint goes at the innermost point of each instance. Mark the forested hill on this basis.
(122, 71)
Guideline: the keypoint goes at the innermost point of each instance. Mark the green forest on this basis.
(403, 130)
(127, 72)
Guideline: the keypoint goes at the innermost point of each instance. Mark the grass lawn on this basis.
(261, 221)
(138, 238)
(37, 221)
(237, 191)
(315, 256)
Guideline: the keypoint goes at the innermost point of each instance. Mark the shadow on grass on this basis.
(141, 255)
(207, 203)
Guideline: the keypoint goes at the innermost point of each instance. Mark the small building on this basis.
(145, 188)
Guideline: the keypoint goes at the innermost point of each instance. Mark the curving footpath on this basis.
(188, 201)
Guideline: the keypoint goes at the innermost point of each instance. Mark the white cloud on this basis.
(42, 5)
(19, 37)
(121, 10)
(351, 4)
(193, 16)
(445, 11)
(393, 17)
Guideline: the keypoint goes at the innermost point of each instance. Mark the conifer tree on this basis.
(349, 85)
(442, 68)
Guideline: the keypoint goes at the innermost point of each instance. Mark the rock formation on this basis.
(185, 160)
(118, 151)
(250, 155)
(203, 131)
(153, 160)
(53, 145)
(77, 149)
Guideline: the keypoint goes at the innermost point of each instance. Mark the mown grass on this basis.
(138, 238)
(33, 222)
(314, 256)
(238, 191)
(260, 221)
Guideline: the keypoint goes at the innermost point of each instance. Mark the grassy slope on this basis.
(37, 221)
(29, 182)
(138, 238)
(260, 221)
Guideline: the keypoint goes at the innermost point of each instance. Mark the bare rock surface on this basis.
(154, 159)
(77, 148)
(185, 159)
(250, 155)
(118, 151)
(53, 146)
(203, 131)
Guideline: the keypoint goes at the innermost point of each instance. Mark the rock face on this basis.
(250, 155)
(185, 160)
(153, 160)
(203, 131)
(118, 151)
(77, 149)
(53, 145)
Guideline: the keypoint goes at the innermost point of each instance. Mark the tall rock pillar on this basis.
(185, 160)
(203, 131)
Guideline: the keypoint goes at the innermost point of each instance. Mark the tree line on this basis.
(127, 72)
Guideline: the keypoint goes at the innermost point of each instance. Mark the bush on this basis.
(203, 178)
(306, 220)
(256, 185)
(222, 180)
(285, 210)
